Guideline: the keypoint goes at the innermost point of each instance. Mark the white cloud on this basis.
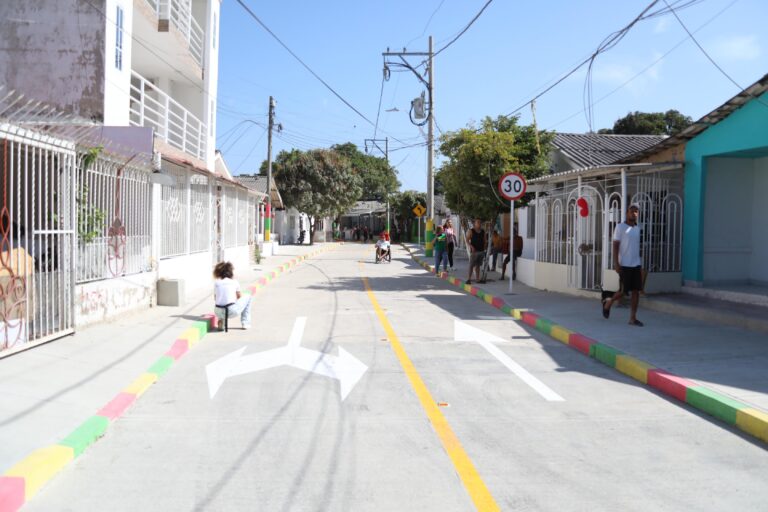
(739, 47)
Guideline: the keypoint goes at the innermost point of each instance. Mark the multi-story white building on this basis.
(151, 63)
(144, 74)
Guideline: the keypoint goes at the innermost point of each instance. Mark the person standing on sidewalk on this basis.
(476, 242)
(441, 253)
(451, 241)
(627, 262)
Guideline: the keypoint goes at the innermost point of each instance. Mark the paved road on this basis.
(460, 408)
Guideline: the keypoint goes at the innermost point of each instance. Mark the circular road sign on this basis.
(512, 186)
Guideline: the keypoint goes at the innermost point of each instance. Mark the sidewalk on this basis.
(729, 360)
(49, 390)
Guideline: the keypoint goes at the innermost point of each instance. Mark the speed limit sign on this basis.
(512, 186)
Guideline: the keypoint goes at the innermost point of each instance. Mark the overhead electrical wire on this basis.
(300, 61)
(714, 63)
(471, 22)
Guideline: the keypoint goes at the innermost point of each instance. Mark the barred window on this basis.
(531, 232)
(229, 215)
(175, 205)
(200, 214)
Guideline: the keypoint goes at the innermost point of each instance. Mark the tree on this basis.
(476, 160)
(402, 205)
(319, 183)
(378, 179)
(651, 123)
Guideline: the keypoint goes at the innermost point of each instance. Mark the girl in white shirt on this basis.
(226, 293)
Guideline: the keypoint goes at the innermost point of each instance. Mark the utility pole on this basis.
(429, 234)
(428, 81)
(268, 215)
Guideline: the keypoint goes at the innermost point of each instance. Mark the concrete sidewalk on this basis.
(729, 360)
(49, 390)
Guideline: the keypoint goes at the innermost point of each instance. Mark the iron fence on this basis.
(175, 215)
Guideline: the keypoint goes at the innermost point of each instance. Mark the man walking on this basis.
(627, 262)
(476, 242)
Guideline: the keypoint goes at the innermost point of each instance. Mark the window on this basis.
(119, 38)
(531, 221)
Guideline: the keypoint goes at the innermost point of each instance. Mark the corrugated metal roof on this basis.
(591, 149)
(259, 184)
(753, 91)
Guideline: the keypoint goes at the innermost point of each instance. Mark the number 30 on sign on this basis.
(512, 186)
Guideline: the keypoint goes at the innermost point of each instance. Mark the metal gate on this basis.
(585, 237)
(37, 238)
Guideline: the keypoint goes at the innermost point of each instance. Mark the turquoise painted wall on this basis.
(745, 130)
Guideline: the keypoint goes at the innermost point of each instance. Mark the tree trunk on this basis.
(311, 230)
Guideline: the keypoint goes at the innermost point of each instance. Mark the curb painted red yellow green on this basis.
(743, 416)
(21, 482)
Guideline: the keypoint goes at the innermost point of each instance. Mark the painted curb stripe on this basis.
(669, 384)
(529, 318)
(115, 408)
(581, 343)
(178, 349)
(544, 325)
(141, 384)
(161, 366)
(606, 354)
(560, 333)
(753, 422)
(11, 493)
(714, 403)
(85, 435)
(635, 368)
(497, 302)
(40, 466)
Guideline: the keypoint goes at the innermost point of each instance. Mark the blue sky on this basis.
(505, 58)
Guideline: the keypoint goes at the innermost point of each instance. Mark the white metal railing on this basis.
(152, 107)
(179, 13)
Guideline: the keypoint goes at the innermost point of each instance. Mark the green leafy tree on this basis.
(378, 180)
(650, 123)
(402, 205)
(476, 159)
(319, 183)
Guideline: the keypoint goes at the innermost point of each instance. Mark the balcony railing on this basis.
(152, 107)
(179, 13)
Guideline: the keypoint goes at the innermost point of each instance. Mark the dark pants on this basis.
(449, 248)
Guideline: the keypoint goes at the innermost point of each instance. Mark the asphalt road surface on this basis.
(379, 387)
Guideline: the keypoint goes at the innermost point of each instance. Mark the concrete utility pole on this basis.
(430, 158)
(268, 215)
(398, 59)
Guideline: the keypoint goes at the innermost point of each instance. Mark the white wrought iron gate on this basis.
(38, 238)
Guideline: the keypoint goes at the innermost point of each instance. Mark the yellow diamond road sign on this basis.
(419, 210)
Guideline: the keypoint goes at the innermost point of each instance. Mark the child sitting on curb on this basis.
(226, 293)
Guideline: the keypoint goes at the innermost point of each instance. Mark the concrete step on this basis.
(710, 310)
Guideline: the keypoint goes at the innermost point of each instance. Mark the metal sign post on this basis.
(512, 187)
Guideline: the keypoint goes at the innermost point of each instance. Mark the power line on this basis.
(473, 20)
(696, 42)
(428, 23)
(253, 148)
(378, 110)
(311, 71)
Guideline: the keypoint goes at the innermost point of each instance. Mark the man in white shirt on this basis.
(226, 293)
(627, 262)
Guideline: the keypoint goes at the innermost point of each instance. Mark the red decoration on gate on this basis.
(583, 207)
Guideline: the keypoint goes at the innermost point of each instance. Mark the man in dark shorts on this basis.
(476, 242)
(627, 262)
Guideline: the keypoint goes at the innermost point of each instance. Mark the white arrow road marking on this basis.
(464, 332)
(345, 367)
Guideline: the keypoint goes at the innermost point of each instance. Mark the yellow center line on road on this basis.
(471, 479)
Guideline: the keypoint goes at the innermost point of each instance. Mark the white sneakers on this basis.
(246, 326)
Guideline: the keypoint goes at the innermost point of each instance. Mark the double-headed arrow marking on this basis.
(345, 367)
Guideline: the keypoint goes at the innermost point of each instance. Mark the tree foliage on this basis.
(319, 183)
(475, 160)
(377, 178)
(401, 206)
(650, 123)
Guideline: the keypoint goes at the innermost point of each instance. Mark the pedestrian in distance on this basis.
(227, 295)
(450, 240)
(441, 250)
(496, 249)
(476, 242)
(517, 251)
(628, 264)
